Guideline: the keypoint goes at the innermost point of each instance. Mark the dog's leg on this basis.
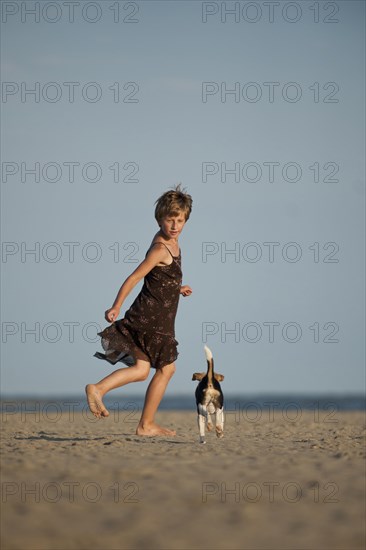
(220, 422)
(209, 422)
(210, 411)
(201, 420)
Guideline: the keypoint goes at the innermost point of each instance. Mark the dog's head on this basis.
(199, 375)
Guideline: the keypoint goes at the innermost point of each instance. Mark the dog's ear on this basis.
(198, 376)
(219, 377)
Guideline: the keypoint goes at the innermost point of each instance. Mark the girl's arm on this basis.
(155, 256)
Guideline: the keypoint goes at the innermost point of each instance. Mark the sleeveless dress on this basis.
(147, 329)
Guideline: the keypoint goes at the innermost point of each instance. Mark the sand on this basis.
(69, 482)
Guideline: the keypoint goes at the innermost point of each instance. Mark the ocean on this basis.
(251, 406)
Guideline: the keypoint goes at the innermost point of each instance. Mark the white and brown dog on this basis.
(209, 398)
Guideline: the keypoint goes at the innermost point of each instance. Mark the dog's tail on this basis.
(210, 364)
(208, 353)
(210, 368)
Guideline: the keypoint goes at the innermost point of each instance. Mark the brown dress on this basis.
(147, 329)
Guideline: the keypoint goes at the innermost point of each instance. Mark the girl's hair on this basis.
(172, 203)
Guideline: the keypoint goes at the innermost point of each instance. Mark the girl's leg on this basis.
(94, 392)
(154, 395)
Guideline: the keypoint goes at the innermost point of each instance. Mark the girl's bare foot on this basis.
(152, 430)
(95, 401)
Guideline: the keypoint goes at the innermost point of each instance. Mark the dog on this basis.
(209, 399)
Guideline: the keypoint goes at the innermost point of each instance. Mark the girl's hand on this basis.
(112, 314)
(185, 290)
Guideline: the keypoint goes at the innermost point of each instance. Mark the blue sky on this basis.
(169, 135)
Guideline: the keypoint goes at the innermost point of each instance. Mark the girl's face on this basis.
(172, 226)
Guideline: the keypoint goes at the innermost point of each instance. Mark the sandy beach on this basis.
(71, 482)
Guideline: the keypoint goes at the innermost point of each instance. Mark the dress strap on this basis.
(174, 257)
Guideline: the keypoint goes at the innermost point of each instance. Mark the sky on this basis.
(257, 109)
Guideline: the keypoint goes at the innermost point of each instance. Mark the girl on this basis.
(145, 337)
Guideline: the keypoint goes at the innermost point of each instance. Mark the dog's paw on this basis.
(219, 432)
(209, 426)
